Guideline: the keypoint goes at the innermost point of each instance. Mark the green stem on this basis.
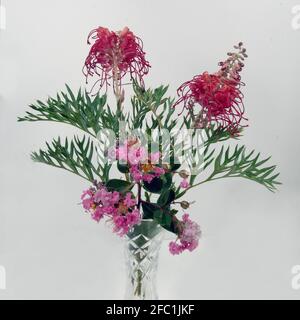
(195, 185)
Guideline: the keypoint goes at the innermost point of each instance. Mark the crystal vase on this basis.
(142, 247)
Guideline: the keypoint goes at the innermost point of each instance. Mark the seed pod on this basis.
(184, 174)
(184, 204)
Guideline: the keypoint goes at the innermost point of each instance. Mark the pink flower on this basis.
(120, 225)
(113, 55)
(148, 177)
(136, 173)
(218, 95)
(175, 248)
(102, 195)
(159, 171)
(129, 201)
(188, 236)
(123, 223)
(87, 203)
(133, 218)
(87, 199)
(115, 198)
(184, 184)
(118, 208)
(85, 193)
(154, 157)
(122, 153)
(137, 155)
(97, 214)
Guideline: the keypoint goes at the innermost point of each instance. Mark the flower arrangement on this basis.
(154, 177)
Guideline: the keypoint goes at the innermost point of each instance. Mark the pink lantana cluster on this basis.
(120, 209)
(188, 236)
(142, 166)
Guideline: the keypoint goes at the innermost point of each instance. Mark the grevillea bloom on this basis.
(218, 95)
(113, 55)
(188, 237)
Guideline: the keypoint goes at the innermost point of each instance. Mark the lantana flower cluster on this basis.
(120, 209)
(188, 238)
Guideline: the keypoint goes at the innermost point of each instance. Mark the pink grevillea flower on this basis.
(184, 184)
(188, 237)
(113, 55)
(218, 95)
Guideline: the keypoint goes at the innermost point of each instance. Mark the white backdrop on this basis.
(251, 237)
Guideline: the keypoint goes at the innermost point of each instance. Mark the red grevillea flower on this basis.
(218, 95)
(113, 55)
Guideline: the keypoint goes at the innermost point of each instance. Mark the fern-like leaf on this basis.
(76, 156)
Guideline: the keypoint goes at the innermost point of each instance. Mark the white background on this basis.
(251, 237)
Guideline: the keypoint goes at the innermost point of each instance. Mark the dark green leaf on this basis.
(166, 197)
(119, 185)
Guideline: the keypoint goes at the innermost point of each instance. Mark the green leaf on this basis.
(119, 185)
(166, 197)
(77, 110)
(239, 163)
(166, 222)
(148, 209)
(158, 183)
(155, 186)
(76, 156)
(167, 180)
(123, 168)
(152, 101)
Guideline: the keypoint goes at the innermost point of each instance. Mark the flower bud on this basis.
(184, 174)
(184, 204)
